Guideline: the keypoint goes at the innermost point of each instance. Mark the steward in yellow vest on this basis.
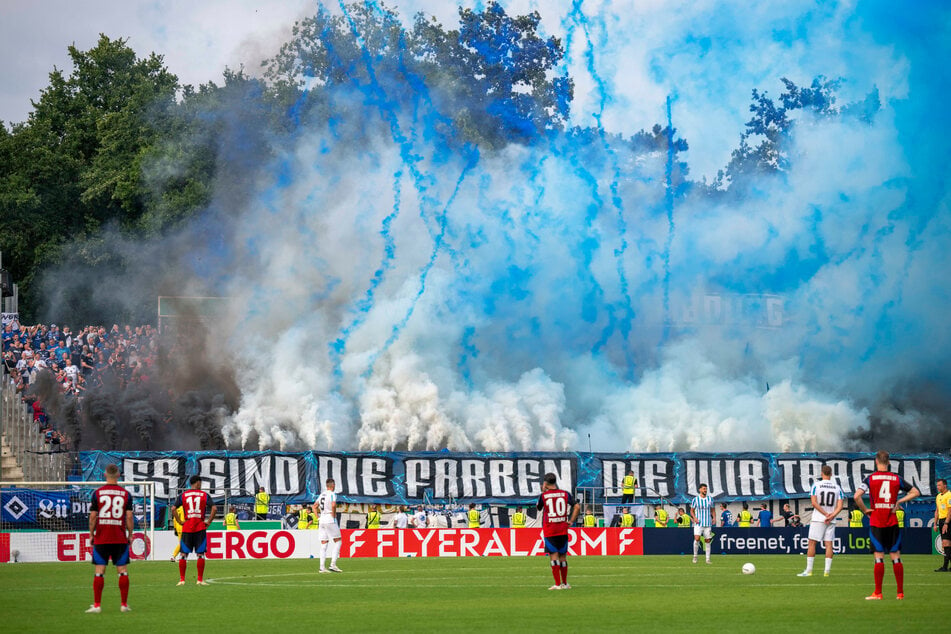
(745, 518)
(373, 517)
(473, 516)
(627, 488)
(660, 518)
(303, 517)
(589, 518)
(855, 518)
(683, 520)
(900, 516)
(627, 520)
(518, 518)
(261, 500)
(231, 520)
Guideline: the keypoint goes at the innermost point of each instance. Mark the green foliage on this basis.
(76, 164)
(490, 82)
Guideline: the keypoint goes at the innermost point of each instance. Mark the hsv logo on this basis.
(15, 507)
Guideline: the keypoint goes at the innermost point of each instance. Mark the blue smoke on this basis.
(604, 278)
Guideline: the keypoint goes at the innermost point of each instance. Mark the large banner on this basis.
(59, 510)
(778, 541)
(303, 544)
(454, 542)
(512, 478)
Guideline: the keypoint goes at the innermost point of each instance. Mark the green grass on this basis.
(375, 595)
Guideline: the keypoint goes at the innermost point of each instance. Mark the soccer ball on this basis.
(748, 569)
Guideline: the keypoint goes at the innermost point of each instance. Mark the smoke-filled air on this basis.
(630, 226)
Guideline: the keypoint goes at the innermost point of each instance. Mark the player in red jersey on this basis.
(559, 511)
(110, 532)
(194, 502)
(883, 489)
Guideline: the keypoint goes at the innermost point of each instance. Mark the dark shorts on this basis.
(885, 539)
(945, 531)
(556, 544)
(118, 553)
(194, 543)
(627, 498)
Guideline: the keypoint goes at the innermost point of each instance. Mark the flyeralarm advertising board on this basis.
(302, 544)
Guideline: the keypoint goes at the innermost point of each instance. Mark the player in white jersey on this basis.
(826, 504)
(327, 529)
(419, 519)
(701, 512)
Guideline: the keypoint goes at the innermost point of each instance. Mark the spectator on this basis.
(745, 518)
(765, 517)
(726, 517)
(786, 516)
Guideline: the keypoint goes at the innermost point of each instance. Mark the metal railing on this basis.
(38, 460)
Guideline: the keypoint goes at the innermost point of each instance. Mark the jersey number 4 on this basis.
(885, 492)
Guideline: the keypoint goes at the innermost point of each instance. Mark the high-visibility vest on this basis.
(628, 484)
(661, 520)
(744, 519)
(373, 519)
(303, 517)
(855, 518)
(474, 518)
(590, 520)
(683, 521)
(231, 522)
(627, 520)
(518, 520)
(900, 516)
(178, 519)
(260, 503)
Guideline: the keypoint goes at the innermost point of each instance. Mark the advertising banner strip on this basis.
(505, 478)
(482, 542)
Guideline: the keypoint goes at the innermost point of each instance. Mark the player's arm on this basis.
(94, 516)
(937, 520)
(693, 517)
(839, 504)
(129, 524)
(912, 493)
(211, 518)
(541, 503)
(574, 512)
(859, 493)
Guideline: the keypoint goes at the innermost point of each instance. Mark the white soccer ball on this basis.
(748, 569)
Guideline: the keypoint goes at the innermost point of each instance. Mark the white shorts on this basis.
(327, 529)
(706, 531)
(821, 532)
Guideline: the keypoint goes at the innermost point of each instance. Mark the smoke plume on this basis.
(388, 288)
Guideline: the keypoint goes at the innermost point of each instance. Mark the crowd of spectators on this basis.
(75, 361)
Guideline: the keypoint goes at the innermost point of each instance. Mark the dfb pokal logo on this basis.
(16, 508)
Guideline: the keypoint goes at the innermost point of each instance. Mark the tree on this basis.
(75, 165)
(490, 82)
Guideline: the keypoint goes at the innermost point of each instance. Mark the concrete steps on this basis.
(10, 470)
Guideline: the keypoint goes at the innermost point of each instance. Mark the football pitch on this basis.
(660, 593)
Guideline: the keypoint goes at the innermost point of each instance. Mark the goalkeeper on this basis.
(178, 518)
